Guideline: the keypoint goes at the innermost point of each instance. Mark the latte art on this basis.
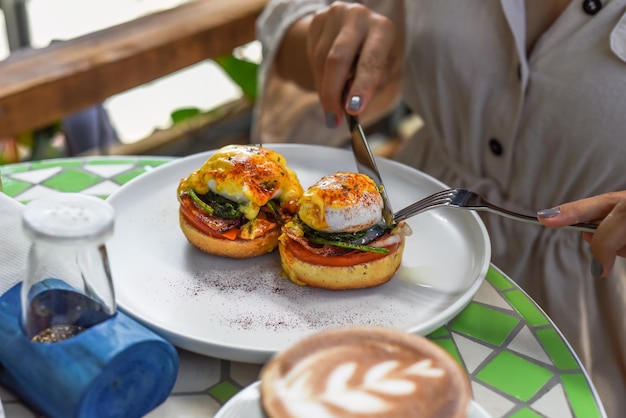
(366, 396)
(366, 374)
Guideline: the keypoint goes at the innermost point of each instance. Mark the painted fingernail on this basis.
(549, 213)
(354, 103)
(596, 268)
(331, 120)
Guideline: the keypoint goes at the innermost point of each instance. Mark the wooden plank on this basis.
(38, 87)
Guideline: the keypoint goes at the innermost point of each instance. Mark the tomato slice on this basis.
(201, 220)
(345, 260)
(191, 216)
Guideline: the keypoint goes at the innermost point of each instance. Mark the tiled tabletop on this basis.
(519, 363)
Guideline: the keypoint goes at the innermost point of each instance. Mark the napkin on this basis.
(14, 244)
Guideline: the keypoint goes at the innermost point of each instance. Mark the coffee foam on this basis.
(364, 372)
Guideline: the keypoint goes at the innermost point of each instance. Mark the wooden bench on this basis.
(40, 86)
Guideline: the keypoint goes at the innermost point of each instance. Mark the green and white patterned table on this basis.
(519, 363)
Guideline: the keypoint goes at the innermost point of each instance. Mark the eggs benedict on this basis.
(234, 205)
(339, 239)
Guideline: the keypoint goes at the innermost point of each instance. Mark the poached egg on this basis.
(248, 175)
(341, 202)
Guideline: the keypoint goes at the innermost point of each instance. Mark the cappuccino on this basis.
(364, 372)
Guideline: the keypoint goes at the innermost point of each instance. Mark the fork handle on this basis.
(583, 227)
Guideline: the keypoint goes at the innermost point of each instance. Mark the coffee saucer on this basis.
(247, 403)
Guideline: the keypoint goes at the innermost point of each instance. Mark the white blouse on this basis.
(526, 131)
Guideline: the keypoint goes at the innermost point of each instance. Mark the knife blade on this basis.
(367, 165)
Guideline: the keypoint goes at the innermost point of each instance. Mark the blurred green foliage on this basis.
(180, 115)
(242, 72)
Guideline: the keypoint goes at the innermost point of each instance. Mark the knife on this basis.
(366, 165)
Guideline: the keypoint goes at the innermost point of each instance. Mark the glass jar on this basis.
(67, 286)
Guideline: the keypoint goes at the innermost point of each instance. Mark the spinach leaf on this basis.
(216, 205)
(224, 208)
(349, 245)
(359, 238)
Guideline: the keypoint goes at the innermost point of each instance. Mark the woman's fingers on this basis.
(323, 30)
(589, 209)
(372, 65)
(323, 50)
(348, 41)
(609, 239)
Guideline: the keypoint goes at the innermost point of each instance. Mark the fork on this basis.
(466, 199)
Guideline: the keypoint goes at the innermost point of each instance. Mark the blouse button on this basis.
(591, 7)
(495, 146)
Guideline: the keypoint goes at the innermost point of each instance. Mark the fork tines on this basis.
(440, 198)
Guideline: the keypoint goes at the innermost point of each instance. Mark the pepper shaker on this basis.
(67, 287)
(66, 350)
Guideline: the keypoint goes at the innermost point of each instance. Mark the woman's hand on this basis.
(349, 41)
(344, 41)
(609, 240)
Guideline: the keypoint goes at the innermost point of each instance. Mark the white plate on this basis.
(243, 310)
(247, 403)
